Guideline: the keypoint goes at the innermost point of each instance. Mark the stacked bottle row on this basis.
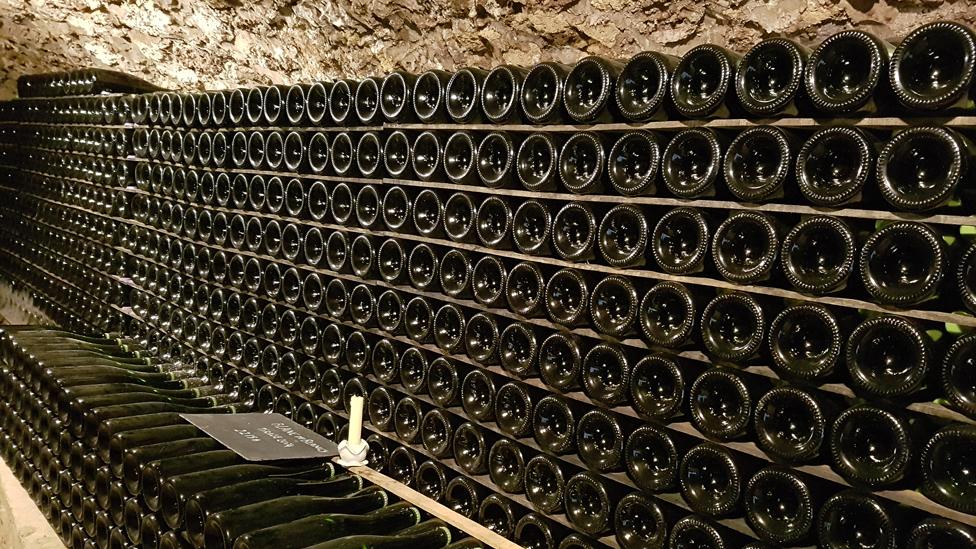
(94, 430)
(849, 72)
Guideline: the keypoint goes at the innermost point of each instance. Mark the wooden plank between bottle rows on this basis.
(928, 408)
(908, 497)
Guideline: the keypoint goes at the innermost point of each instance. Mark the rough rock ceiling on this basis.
(212, 44)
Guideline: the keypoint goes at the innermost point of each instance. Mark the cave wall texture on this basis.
(215, 44)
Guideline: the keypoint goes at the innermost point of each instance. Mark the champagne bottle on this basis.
(944, 474)
(429, 96)
(581, 163)
(639, 522)
(588, 503)
(536, 162)
(500, 93)
(623, 236)
(954, 375)
(721, 402)
(922, 168)
(554, 424)
(613, 306)
(929, 71)
(657, 387)
(230, 524)
(437, 537)
(844, 74)
(768, 77)
(691, 162)
(940, 532)
(513, 410)
(850, 517)
(790, 423)
(680, 241)
(642, 86)
(478, 395)
(542, 92)
(524, 289)
(606, 374)
(758, 163)
(805, 340)
(544, 484)
(834, 165)
(733, 327)
(462, 94)
(589, 87)
(702, 81)
(507, 466)
(203, 505)
(320, 528)
(566, 297)
(531, 226)
(872, 446)
(463, 496)
(818, 255)
(600, 441)
(889, 355)
(711, 481)
(652, 458)
(745, 246)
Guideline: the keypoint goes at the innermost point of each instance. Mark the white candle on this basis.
(355, 421)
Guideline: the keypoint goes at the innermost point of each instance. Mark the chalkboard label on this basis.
(264, 437)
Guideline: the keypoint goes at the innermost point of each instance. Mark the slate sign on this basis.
(264, 437)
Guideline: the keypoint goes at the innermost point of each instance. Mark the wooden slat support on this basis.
(461, 522)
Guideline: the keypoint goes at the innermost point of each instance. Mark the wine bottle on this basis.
(391, 261)
(711, 481)
(691, 163)
(536, 161)
(320, 528)
(429, 96)
(531, 226)
(850, 517)
(460, 214)
(680, 241)
(524, 289)
(462, 94)
(513, 410)
(929, 71)
(652, 457)
(494, 160)
(613, 306)
(544, 484)
(436, 431)
(657, 387)
(733, 327)
(201, 506)
(600, 441)
(463, 496)
(702, 80)
(455, 273)
(419, 318)
(500, 94)
(640, 523)
(955, 376)
(623, 236)
(554, 424)
(721, 402)
(497, 515)
(606, 374)
(560, 362)
(633, 162)
(923, 167)
(588, 503)
(448, 328)
(642, 86)
(481, 336)
(396, 96)
(589, 87)
(542, 92)
(758, 163)
(944, 469)
(533, 530)
(488, 280)
(581, 163)
(835, 164)
(818, 254)
(667, 314)
(768, 77)
(507, 466)
(888, 356)
(459, 158)
(844, 74)
(745, 246)
(780, 505)
(574, 232)
(230, 524)
(471, 446)
(805, 341)
(493, 223)
(871, 445)
(940, 532)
